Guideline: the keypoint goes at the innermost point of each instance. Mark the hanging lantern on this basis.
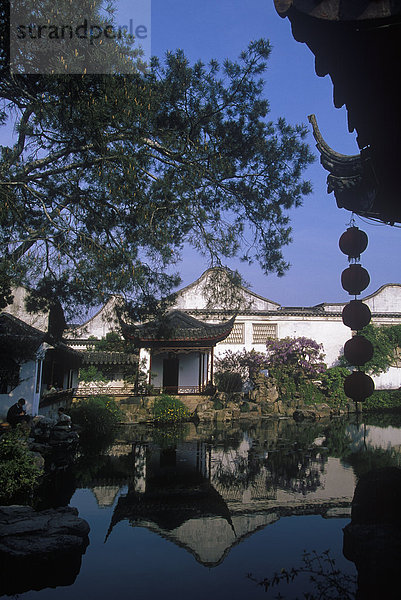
(355, 279)
(353, 242)
(358, 350)
(356, 315)
(358, 386)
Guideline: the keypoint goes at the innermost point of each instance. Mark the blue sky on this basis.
(222, 28)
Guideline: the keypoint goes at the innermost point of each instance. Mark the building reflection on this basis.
(208, 495)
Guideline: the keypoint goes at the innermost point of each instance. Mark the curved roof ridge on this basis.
(372, 295)
(211, 269)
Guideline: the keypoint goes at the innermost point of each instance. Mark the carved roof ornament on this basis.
(358, 44)
(351, 177)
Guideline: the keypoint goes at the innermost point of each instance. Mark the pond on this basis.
(206, 511)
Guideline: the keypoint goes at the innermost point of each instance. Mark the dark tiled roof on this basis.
(17, 337)
(178, 326)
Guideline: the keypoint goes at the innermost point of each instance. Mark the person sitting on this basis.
(49, 390)
(17, 414)
(63, 420)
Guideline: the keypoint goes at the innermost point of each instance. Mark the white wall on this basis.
(331, 333)
(157, 370)
(188, 372)
(39, 319)
(24, 390)
(103, 322)
(390, 380)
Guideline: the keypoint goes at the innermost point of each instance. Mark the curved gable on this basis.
(104, 321)
(386, 299)
(204, 294)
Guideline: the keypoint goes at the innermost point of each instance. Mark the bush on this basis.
(228, 382)
(91, 373)
(333, 385)
(382, 399)
(97, 415)
(19, 474)
(168, 409)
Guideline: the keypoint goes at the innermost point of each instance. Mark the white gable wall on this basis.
(40, 319)
(195, 296)
(103, 322)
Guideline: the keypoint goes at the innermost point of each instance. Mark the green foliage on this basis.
(99, 416)
(113, 342)
(228, 382)
(333, 386)
(168, 409)
(383, 399)
(310, 393)
(110, 175)
(19, 474)
(386, 341)
(217, 404)
(91, 373)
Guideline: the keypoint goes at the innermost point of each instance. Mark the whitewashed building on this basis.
(33, 358)
(180, 360)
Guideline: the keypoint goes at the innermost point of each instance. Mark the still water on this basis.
(190, 511)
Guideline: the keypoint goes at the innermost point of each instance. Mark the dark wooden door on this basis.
(170, 375)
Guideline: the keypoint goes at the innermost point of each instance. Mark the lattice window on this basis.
(262, 331)
(237, 335)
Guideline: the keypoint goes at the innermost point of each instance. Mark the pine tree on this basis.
(109, 176)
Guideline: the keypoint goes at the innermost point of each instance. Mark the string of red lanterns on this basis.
(356, 315)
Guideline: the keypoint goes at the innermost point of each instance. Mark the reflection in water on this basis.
(208, 489)
(19, 576)
(206, 493)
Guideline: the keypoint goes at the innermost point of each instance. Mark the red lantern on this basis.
(358, 350)
(355, 279)
(353, 242)
(356, 315)
(358, 386)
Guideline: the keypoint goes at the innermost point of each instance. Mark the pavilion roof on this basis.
(177, 327)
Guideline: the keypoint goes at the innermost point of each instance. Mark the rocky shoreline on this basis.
(46, 547)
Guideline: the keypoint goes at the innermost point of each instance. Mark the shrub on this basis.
(19, 474)
(97, 415)
(91, 373)
(228, 382)
(382, 399)
(168, 409)
(333, 385)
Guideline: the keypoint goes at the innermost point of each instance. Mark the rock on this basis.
(40, 549)
(341, 512)
(304, 414)
(26, 533)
